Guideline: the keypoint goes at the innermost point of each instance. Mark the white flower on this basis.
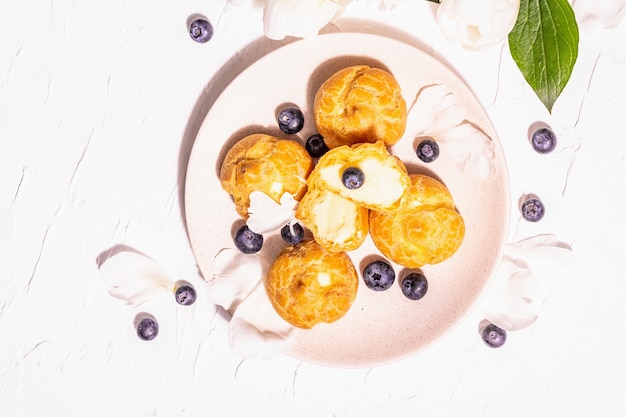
(265, 215)
(299, 18)
(593, 14)
(133, 277)
(435, 112)
(477, 24)
(386, 5)
(255, 329)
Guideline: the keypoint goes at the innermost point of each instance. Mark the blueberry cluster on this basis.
(380, 276)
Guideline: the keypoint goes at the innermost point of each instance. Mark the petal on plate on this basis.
(433, 111)
(235, 276)
(510, 302)
(256, 330)
(299, 18)
(471, 149)
(134, 277)
(545, 247)
(266, 215)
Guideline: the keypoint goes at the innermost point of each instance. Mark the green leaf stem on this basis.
(544, 45)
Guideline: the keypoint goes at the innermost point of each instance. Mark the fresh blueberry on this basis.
(543, 140)
(379, 275)
(414, 286)
(185, 294)
(533, 209)
(147, 328)
(247, 241)
(290, 120)
(201, 30)
(353, 178)
(292, 233)
(493, 336)
(316, 146)
(427, 150)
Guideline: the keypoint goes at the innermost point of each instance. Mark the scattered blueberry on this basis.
(533, 210)
(427, 150)
(247, 241)
(292, 233)
(290, 120)
(493, 336)
(201, 30)
(352, 178)
(316, 146)
(185, 294)
(379, 275)
(414, 286)
(543, 140)
(147, 328)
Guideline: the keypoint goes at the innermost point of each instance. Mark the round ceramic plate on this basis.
(383, 326)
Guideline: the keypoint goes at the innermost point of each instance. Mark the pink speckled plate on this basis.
(384, 326)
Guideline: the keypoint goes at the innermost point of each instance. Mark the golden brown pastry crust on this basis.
(337, 224)
(261, 162)
(386, 177)
(360, 104)
(426, 229)
(308, 285)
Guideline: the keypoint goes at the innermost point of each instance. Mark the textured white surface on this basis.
(99, 106)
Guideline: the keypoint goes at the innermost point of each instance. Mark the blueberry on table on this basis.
(290, 120)
(316, 146)
(543, 140)
(352, 178)
(493, 336)
(378, 275)
(532, 209)
(427, 150)
(147, 328)
(247, 241)
(414, 286)
(201, 30)
(292, 233)
(185, 294)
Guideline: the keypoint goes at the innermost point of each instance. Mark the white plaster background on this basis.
(99, 105)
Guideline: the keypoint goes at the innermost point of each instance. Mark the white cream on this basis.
(336, 218)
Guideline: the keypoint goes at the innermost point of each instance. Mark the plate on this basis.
(380, 327)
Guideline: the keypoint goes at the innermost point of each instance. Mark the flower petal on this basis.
(134, 277)
(543, 247)
(265, 215)
(433, 111)
(471, 148)
(235, 276)
(299, 18)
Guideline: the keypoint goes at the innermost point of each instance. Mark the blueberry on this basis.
(543, 140)
(247, 241)
(316, 146)
(201, 30)
(147, 328)
(493, 336)
(414, 286)
(290, 120)
(353, 178)
(427, 150)
(185, 294)
(379, 275)
(532, 209)
(292, 233)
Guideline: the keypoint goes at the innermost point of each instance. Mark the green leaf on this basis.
(544, 45)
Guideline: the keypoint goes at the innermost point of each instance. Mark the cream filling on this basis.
(335, 218)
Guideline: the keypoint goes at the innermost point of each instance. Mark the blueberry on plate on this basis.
(532, 209)
(247, 241)
(147, 328)
(201, 30)
(427, 150)
(292, 233)
(378, 275)
(543, 140)
(316, 146)
(493, 336)
(290, 120)
(414, 286)
(353, 178)
(185, 293)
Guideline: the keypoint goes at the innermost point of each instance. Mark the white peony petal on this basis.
(433, 111)
(265, 215)
(595, 14)
(256, 330)
(471, 148)
(299, 18)
(134, 278)
(543, 247)
(235, 276)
